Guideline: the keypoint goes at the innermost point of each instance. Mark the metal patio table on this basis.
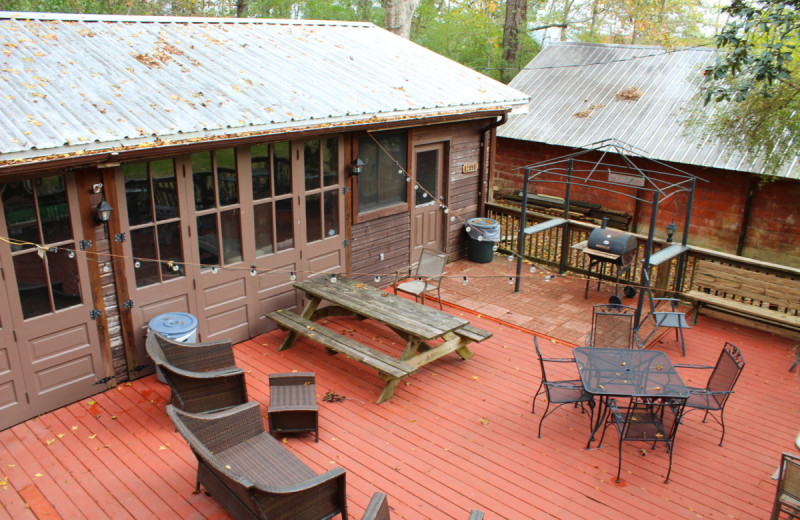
(611, 372)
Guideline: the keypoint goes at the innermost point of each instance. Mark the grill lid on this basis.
(612, 241)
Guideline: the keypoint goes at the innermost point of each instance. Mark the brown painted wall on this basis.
(718, 215)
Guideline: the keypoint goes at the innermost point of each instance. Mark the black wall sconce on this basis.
(357, 166)
(104, 210)
(671, 227)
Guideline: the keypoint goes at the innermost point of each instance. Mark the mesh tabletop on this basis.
(634, 373)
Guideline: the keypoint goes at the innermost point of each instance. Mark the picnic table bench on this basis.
(417, 325)
(757, 295)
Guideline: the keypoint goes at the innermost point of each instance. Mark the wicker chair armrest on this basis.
(306, 485)
(212, 374)
(215, 432)
(322, 496)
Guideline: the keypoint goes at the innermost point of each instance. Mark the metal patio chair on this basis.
(612, 327)
(645, 421)
(427, 276)
(787, 496)
(671, 318)
(720, 385)
(293, 403)
(202, 377)
(560, 392)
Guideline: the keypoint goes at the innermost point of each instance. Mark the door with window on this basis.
(427, 217)
(151, 196)
(50, 342)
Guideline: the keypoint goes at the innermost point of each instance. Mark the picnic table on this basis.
(418, 326)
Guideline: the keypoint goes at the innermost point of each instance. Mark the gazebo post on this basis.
(522, 221)
(648, 248)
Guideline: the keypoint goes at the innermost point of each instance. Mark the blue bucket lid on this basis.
(173, 323)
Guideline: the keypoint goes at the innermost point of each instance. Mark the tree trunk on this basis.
(516, 17)
(241, 8)
(399, 14)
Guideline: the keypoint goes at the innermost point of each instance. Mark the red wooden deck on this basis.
(457, 435)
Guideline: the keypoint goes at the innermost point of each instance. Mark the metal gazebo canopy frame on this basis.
(576, 169)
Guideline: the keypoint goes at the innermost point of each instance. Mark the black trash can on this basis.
(483, 233)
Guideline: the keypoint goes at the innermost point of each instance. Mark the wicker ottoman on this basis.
(293, 403)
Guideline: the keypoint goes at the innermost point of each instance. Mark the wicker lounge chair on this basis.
(203, 377)
(378, 509)
(251, 474)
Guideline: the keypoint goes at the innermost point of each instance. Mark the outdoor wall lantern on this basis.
(104, 210)
(357, 166)
(671, 227)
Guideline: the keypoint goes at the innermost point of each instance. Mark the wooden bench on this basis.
(473, 333)
(252, 474)
(388, 367)
(756, 295)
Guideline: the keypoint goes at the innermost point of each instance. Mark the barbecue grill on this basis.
(609, 246)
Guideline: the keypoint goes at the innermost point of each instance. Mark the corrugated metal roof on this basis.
(566, 79)
(76, 83)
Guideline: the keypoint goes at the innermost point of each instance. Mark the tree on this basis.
(516, 18)
(753, 90)
(399, 14)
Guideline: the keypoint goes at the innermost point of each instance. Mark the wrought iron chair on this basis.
(293, 403)
(720, 385)
(560, 392)
(427, 276)
(378, 509)
(787, 496)
(612, 327)
(672, 318)
(645, 421)
(202, 377)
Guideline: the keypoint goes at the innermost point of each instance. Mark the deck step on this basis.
(349, 347)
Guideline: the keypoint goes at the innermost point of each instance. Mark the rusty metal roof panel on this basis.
(74, 83)
(576, 100)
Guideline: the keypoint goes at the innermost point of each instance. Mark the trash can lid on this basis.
(480, 222)
(173, 323)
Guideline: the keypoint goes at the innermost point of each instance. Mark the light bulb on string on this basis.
(416, 186)
(468, 229)
(292, 276)
(424, 194)
(333, 278)
(480, 238)
(214, 269)
(71, 254)
(253, 271)
(495, 246)
(510, 280)
(465, 281)
(452, 218)
(176, 267)
(408, 179)
(446, 211)
(400, 172)
(533, 268)
(377, 278)
(106, 268)
(137, 264)
(510, 258)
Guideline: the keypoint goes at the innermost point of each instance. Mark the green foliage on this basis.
(753, 87)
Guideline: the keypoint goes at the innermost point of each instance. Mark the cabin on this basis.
(202, 165)
(584, 94)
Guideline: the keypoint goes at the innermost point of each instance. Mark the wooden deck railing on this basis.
(545, 248)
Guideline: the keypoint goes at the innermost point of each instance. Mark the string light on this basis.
(468, 228)
(106, 268)
(333, 278)
(510, 258)
(292, 276)
(511, 280)
(137, 264)
(176, 267)
(214, 269)
(452, 218)
(533, 268)
(377, 278)
(446, 211)
(465, 280)
(71, 254)
(253, 270)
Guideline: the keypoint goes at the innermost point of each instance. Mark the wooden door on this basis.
(318, 183)
(49, 303)
(151, 200)
(427, 217)
(14, 407)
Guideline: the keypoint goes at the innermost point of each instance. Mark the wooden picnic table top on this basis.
(398, 313)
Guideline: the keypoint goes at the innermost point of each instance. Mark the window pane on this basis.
(427, 163)
(53, 209)
(208, 240)
(330, 161)
(262, 222)
(284, 224)
(259, 163)
(203, 178)
(137, 194)
(170, 248)
(313, 218)
(231, 236)
(226, 171)
(282, 168)
(311, 155)
(64, 279)
(166, 191)
(144, 250)
(32, 285)
(20, 214)
(331, 213)
(379, 184)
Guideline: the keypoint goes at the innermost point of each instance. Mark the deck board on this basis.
(458, 435)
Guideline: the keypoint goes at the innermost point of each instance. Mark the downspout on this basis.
(484, 182)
